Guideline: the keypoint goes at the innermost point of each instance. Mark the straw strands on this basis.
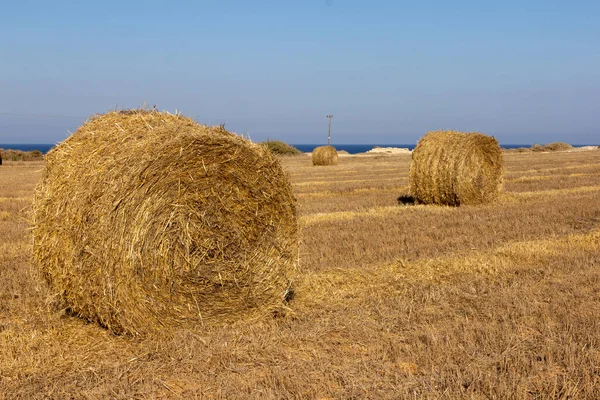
(454, 168)
(146, 220)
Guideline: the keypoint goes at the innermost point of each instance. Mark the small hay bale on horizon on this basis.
(454, 168)
(324, 155)
(145, 221)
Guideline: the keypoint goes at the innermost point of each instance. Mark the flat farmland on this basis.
(391, 301)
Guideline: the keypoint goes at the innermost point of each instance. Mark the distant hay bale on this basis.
(453, 168)
(325, 155)
(146, 220)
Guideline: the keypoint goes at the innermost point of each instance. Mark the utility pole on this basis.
(329, 130)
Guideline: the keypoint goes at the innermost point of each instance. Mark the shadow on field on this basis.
(406, 200)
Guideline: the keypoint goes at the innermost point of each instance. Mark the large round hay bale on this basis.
(146, 220)
(324, 155)
(454, 168)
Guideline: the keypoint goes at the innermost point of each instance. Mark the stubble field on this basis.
(392, 301)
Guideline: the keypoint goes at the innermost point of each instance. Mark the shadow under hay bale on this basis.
(145, 221)
(325, 155)
(454, 168)
(406, 200)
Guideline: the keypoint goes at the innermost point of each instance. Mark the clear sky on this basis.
(524, 71)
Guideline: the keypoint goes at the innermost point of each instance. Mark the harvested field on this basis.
(392, 301)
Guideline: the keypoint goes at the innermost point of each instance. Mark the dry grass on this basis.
(281, 148)
(19, 155)
(557, 146)
(494, 301)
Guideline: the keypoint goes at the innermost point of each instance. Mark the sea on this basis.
(44, 148)
(363, 148)
(306, 148)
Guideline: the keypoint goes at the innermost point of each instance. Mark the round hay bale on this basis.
(146, 220)
(324, 155)
(454, 168)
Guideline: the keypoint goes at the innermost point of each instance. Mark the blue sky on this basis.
(389, 71)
